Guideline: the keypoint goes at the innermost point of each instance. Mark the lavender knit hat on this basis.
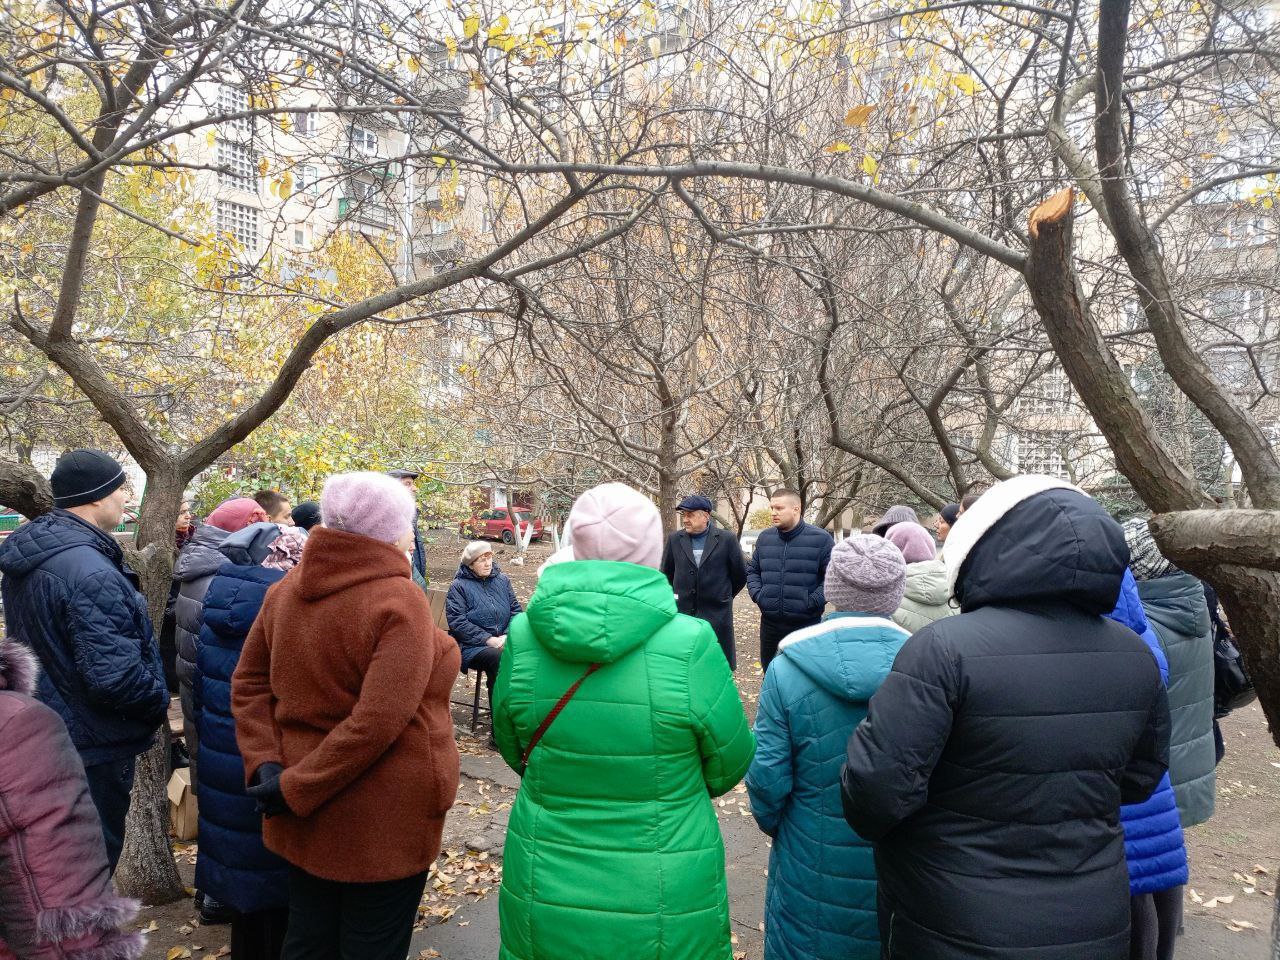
(614, 522)
(370, 504)
(895, 514)
(866, 574)
(915, 542)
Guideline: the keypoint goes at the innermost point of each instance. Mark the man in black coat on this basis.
(705, 566)
(786, 572)
(409, 478)
(993, 761)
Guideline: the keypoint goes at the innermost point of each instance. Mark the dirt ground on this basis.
(1235, 857)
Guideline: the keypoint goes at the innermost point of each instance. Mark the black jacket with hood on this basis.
(994, 759)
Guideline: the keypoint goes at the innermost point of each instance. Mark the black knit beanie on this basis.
(306, 514)
(84, 476)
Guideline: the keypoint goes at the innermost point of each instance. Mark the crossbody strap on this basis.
(555, 712)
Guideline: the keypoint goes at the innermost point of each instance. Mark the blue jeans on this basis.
(109, 785)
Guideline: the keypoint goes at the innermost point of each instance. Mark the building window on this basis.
(364, 140)
(1044, 452)
(306, 124)
(1050, 394)
(238, 222)
(1233, 368)
(307, 179)
(440, 227)
(1241, 309)
(240, 165)
(234, 100)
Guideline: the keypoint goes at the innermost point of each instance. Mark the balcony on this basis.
(439, 247)
(367, 211)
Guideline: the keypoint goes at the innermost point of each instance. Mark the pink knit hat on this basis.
(370, 504)
(235, 514)
(614, 522)
(915, 542)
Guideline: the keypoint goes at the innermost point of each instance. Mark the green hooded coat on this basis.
(613, 848)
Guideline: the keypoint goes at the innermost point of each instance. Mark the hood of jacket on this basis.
(598, 611)
(927, 583)
(1035, 540)
(335, 560)
(235, 597)
(49, 535)
(1176, 602)
(18, 667)
(200, 557)
(249, 546)
(847, 654)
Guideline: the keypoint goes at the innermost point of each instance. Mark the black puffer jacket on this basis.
(193, 572)
(785, 575)
(994, 759)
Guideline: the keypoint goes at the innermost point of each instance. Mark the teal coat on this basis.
(821, 898)
(1176, 609)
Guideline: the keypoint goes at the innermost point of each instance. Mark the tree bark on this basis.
(24, 489)
(1249, 538)
(1156, 474)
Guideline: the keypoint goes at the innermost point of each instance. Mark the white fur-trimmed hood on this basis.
(18, 667)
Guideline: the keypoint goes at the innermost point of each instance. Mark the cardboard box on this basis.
(436, 597)
(183, 812)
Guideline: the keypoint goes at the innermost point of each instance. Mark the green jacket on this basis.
(613, 848)
(927, 596)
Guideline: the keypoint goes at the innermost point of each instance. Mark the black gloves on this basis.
(266, 790)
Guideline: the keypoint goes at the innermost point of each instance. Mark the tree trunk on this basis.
(146, 869)
(1248, 538)
(23, 488)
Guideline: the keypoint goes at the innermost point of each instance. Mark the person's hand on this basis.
(496, 642)
(266, 790)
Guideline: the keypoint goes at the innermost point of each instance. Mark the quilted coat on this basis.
(784, 577)
(56, 898)
(995, 757)
(1153, 843)
(927, 597)
(192, 572)
(1178, 613)
(820, 903)
(344, 682)
(479, 609)
(613, 848)
(234, 866)
(69, 596)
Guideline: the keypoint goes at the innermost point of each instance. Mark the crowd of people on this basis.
(1015, 708)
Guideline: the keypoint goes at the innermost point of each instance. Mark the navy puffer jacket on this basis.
(234, 867)
(70, 597)
(786, 572)
(479, 609)
(1153, 843)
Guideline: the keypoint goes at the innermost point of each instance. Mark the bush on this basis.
(759, 519)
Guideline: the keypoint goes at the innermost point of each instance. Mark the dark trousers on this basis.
(109, 785)
(258, 935)
(350, 921)
(773, 631)
(487, 659)
(1154, 919)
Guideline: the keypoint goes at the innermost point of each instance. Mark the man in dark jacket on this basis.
(993, 761)
(419, 560)
(69, 595)
(705, 566)
(786, 572)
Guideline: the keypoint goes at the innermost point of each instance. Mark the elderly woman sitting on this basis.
(479, 606)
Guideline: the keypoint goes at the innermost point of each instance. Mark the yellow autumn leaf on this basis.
(177, 953)
(838, 147)
(965, 83)
(869, 165)
(470, 26)
(413, 64)
(500, 26)
(212, 138)
(859, 115)
(263, 166)
(451, 45)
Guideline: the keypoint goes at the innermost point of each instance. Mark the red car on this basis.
(497, 524)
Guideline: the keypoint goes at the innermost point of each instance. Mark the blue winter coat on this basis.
(821, 898)
(786, 571)
(1153, 843)
(479, 609)
(70, 597)
(233, 866)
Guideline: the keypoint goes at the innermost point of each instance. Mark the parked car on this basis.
(496, 524)
(748, 542)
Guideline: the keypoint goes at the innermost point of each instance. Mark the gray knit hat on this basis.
(866, 574)
(1145, 559)
(895, 514)
(473, 551)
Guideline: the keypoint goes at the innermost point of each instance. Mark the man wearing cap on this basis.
(410, 480)
(69, 595)
(705, 566)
